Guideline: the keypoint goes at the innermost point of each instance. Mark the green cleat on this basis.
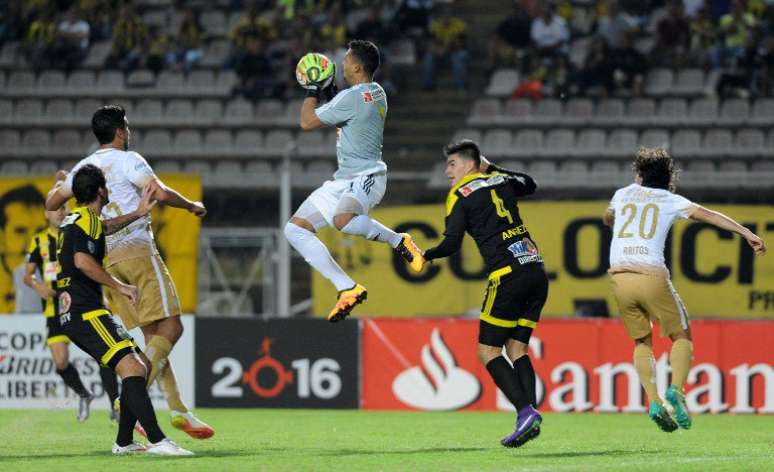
(661, 417)
(676, 398)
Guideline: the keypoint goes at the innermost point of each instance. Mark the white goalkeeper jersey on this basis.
(643, 217)
(126, 173)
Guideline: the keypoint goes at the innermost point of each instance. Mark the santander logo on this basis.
(438, 384)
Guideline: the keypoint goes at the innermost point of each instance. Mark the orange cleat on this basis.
(348, 299)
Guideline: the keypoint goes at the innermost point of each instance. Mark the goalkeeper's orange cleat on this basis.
(348, 299)
(411, 253)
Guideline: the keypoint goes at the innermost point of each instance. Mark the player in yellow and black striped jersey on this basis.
(41, 259)
(86, 321)
(483, 202)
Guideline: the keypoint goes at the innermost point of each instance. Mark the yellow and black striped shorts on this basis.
(98, 334)
(514, 299)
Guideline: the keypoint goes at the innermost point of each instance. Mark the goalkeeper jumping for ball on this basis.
(360, 181)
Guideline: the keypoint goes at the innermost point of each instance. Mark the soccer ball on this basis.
(315, 68)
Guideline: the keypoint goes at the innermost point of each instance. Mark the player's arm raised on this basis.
(722, 221)
(173, 198)
(89, 266)
(309, 119)
(522, 183)
(58, 195)
(147, 203)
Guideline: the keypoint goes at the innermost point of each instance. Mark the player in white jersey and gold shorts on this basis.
(132, 255)
(641, 215)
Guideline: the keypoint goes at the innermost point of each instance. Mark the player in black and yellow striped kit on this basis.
(483, 202)
(86, 321)
(41, 259)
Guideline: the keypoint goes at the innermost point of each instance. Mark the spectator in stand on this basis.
(511, 40)
(672, 37)
(615, 25)
(447, 43)
(415, 15)
(11, 21)
(549, 32)
(129, 38)
(763, 78)
(736, 27)
(703, 37)
(334, 29)
(39, 41)
(691, 8)
(630, 67)
(256, 77)
(158, 50)
(72, 43)
(372, 28)
(189, 40)
(100, 16)
(597, 69)
(250, 27)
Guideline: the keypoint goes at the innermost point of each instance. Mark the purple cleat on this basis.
(527, 428)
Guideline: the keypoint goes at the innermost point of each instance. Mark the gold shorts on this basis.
(158, 297)
(643, 298)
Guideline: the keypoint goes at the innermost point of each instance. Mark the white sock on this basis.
(363, 225)
(317, 255)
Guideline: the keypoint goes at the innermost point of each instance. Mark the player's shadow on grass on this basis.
(605, 453)
(367, 452)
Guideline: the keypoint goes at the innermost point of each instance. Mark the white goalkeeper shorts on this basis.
(356, 195)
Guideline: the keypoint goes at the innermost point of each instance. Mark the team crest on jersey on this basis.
(367, 97)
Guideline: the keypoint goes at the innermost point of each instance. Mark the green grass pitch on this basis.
(297, 440)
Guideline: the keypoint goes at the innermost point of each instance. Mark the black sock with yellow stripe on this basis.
(525, 373)
(503, 377)
(73, 380)
(134, 395)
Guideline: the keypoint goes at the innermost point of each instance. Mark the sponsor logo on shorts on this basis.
(525, 251)
(64, 302)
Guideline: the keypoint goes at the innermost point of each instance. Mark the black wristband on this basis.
(313, 92)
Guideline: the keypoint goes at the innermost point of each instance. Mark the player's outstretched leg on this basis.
(645, 365)
(181, 417)
(73, 380)
(410, 252)
(110, 386)
(680, 358)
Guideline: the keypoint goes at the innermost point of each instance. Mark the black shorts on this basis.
(54, 331)
(98, 335)
(515, 295)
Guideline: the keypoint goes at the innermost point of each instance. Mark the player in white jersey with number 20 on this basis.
(641, 215)
(132, 255)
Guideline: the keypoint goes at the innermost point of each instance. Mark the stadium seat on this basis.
(749, 144)
(208, 111)
(311, 143)
(155, 18)
(248, 142)
(261, 174)
(20, 82)
(698, 174)
(10, 142)
(66, 141)
(321, 167)
(290, 117)
(188, 142)
(762, 112)
(655, 138)
(590, 143)
(2, 80)
(689, 82)
(276, 142)
(526, 143)
(52, 82)
(731, 174)
(578, 111)
(717, 143)
(170, 82)
(156, 142)
(28, 111)
(217, 143)
(496, 142)
(179, 111)
(503, 82)
(610, 111)
(148, 111)
(686, 143)
(13, 168)
(547, 112)
(9, 54)
(227, 80)
(141, 80)
(516, 111)
(703, 112)
(201, 82)
(112, 82)
(6, 111)
(558, 143)
(84, 109)
(167, 166)
(35, 142)
(486, 111)
(466, 133)
(659, 82)
(331, 139)
(239, 112)
(640, 112)
(606, 174)
(734, 112)
(672, 112)
(89, 142)
(201, 168)
(43, 168)
(58, 111)
(216, 53)
(98, 54)
(544, 173)
(621, 143)
(760, 175)
(81, 82)
(214, 22)
(229, 174)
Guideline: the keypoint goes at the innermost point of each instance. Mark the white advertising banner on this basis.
(28, 377)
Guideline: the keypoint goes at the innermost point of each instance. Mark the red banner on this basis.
(582, 365)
